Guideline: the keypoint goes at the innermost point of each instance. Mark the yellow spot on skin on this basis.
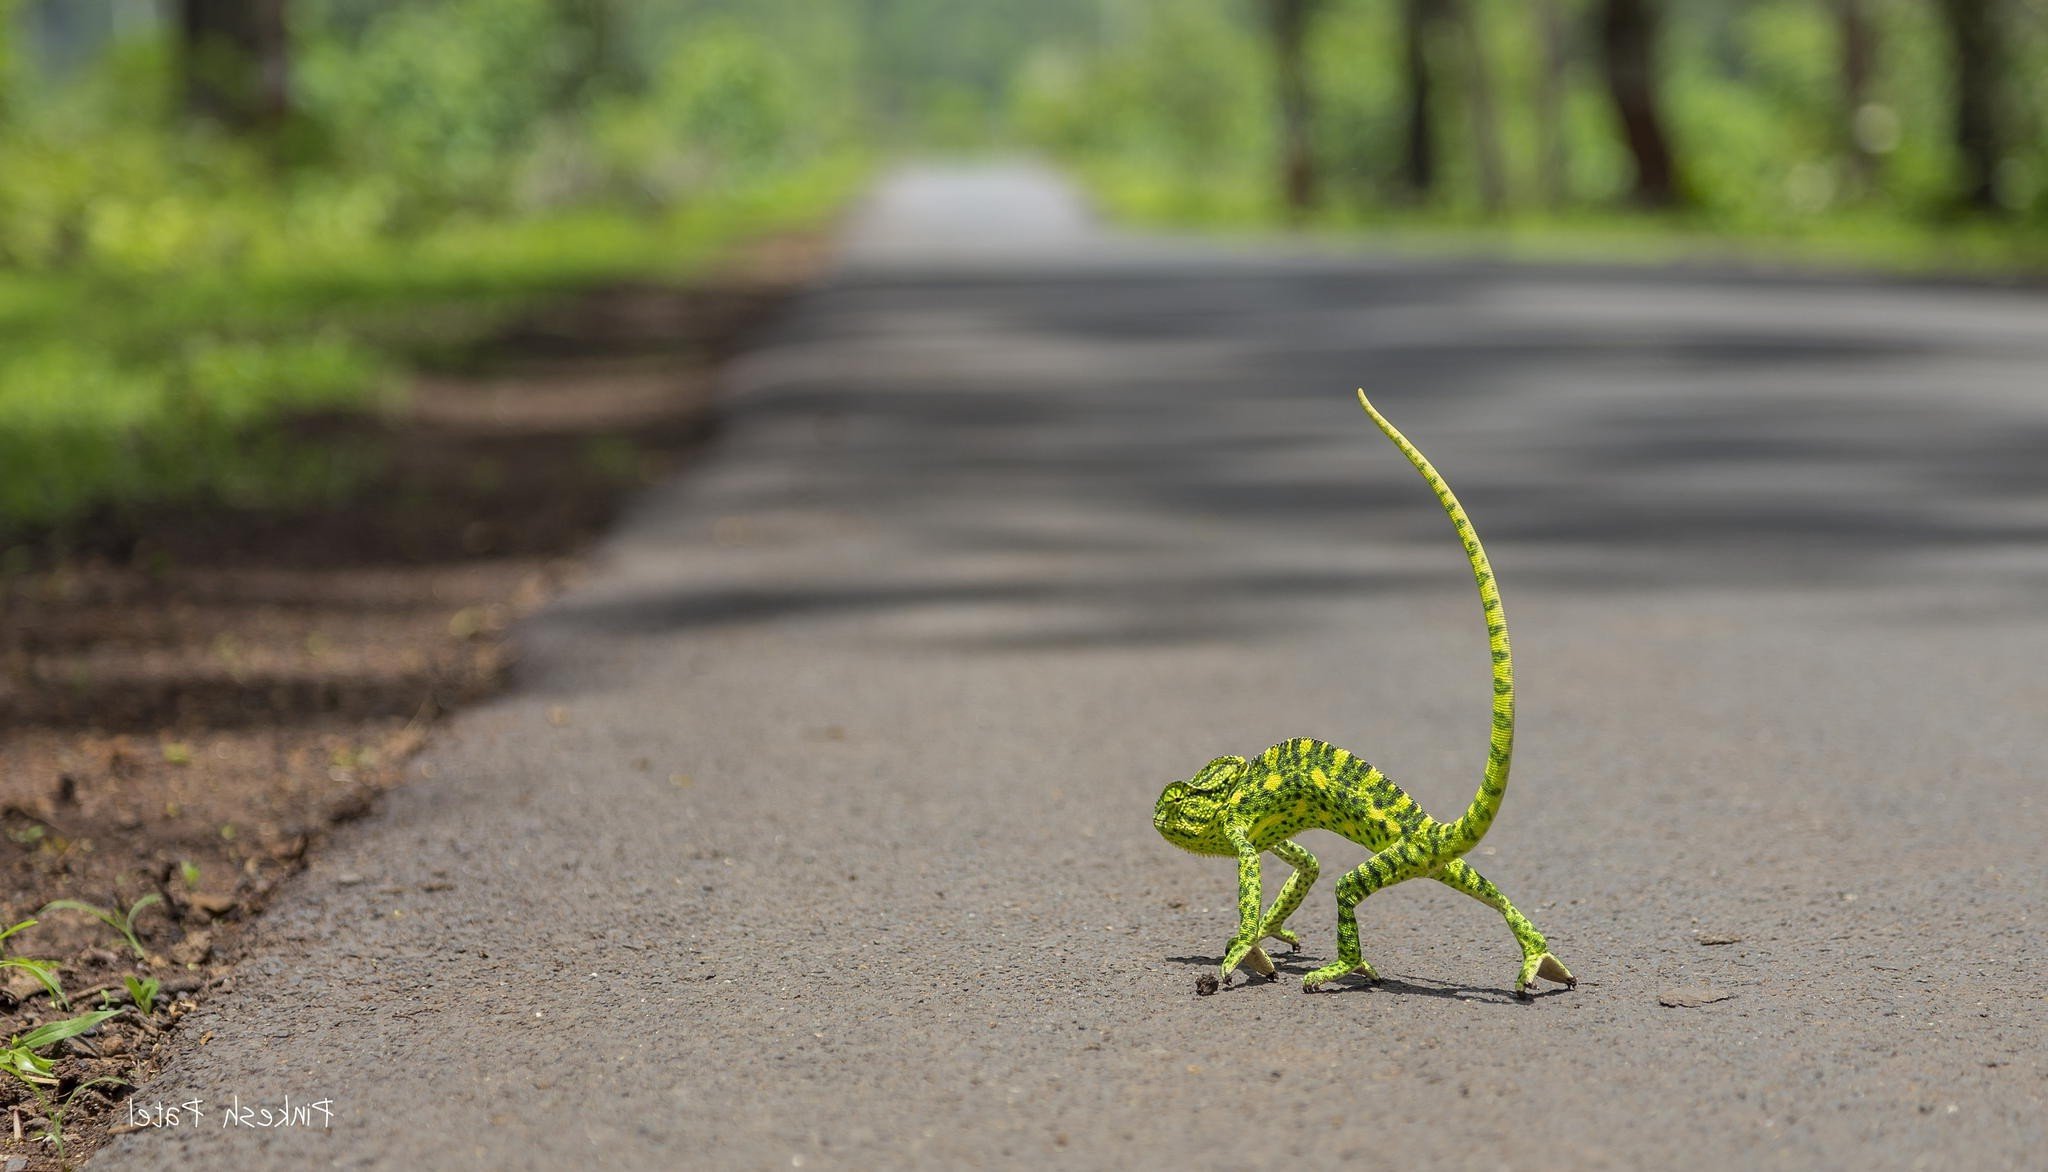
(1272, 781)
(1341, 757)
(1321, 779)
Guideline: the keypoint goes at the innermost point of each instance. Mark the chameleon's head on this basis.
(1189, 813)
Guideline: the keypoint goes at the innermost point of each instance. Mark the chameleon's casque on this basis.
(1246, 808)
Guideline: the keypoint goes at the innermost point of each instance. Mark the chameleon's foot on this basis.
(1549, 968)
(1257, 961)
(1286, 937)
(1331, 972)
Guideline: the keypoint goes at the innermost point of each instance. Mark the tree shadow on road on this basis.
(1152, 457)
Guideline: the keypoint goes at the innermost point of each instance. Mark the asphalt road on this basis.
(836, 851)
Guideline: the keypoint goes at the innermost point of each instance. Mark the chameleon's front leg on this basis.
(1291, 894)
(1244, 947)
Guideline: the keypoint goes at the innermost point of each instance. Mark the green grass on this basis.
(142, 991)
(21, 1055)
(1867, 241)
(123, 390)
(56, 1108)
(44, 971)
(113, 917)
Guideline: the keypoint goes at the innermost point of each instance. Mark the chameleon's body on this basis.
(1235, 807)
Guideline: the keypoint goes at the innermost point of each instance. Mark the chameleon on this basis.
(1247, 808)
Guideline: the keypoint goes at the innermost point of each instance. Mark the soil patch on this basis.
(188, 701)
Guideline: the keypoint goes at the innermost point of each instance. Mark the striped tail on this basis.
(1465, 833)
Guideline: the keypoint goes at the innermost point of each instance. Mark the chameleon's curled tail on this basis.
(1465, 833)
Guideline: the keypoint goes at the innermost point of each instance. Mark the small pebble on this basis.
(1691, 997)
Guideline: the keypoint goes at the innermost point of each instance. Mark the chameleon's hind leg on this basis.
(1536, 958)
(1291, 895)
(1388, 867)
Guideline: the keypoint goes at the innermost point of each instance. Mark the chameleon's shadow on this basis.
(1297, 963)
(1438, 989)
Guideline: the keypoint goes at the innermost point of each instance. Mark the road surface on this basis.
(816, 832)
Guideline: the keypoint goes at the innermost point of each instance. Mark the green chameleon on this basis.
(1235, 807)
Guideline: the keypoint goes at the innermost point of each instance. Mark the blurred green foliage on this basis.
(122, 390)
(1170, 111)
(172, 294)
(172, 290)
(1179, 106)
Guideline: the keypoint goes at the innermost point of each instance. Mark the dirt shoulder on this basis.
(187, 705)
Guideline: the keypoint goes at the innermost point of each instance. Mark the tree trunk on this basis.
(1857, 54)
(590, 33)
(1550, 102)
(1290, 20)
(1493, 190)
(1972, 27)
(1418, 159)
(233, 57)
(1628, 35)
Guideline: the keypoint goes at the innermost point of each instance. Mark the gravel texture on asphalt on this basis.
(816, 831)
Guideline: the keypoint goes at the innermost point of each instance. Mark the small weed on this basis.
(20, 1059)
(27, 835)
(189, 872)
(119, 921)
(142, 991)
(56, 1109)
(615, 458)
(353, 757)
(45, 972)
(11, 930)
(178, 753)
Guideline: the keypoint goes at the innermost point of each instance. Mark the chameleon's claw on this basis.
(1549, 968)
(1257, 961)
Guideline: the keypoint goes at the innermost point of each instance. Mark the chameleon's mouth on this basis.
(1166, 820)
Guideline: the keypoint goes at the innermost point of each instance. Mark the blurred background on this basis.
(333, 332)
(215, 210)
